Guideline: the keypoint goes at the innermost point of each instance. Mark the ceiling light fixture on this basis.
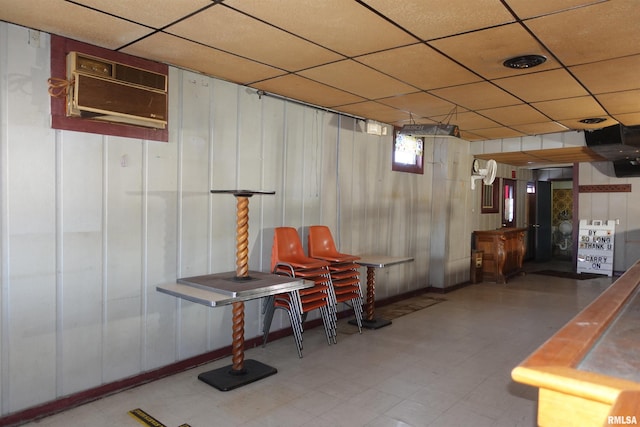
(592, 120)
(524, 61)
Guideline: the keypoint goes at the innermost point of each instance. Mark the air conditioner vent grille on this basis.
(110, 91)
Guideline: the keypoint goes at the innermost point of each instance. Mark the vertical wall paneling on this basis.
(59, 238)
(294, 173)
(104, 277)
(123, 213)
(144, 256)
(312, 163)
(4, 220)
(273, 172)
(30, 216)
(354, 230)
(273, 124)
(224, 103)
(162, 245)
(195, 195)
(345, 165)
(439, 216)
(175, 124)
(81, 260)
(329, 171)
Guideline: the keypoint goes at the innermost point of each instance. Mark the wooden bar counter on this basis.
(503, 252)
(588, 373)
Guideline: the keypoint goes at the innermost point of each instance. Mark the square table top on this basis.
(381, 260)
(223, 288)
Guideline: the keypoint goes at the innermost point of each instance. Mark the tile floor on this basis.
(445, 366)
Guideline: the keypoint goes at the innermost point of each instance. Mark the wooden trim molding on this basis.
(607, 188)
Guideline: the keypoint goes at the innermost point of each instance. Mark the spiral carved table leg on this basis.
(237, 349)
(371, 292)
(242, 272)
(241, 371)
(242, 237)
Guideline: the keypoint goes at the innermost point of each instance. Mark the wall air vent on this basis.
(106, 90)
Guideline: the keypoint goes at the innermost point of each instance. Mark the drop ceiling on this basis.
(396, 62)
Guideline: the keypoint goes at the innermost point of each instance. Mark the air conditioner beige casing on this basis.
(106, 90)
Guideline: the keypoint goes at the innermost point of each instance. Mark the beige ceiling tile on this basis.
(610, 76)
(621, 102)
(485, 51)
(374, 111)
(183, 53)
(575, 124)
(72, 21)
(439, 18)
(357, 79)
(421, 66)
(231, 31)
(540, 128)
(296, 87)
(601, 31)
(157, 13)
(628, 119)
(498, 133)
(470, 136)
(514, 115)
(346, 27)
(529, 9)
(571, 108)
(476, 96)
(542, 86)
(420, 104)
(467, 120)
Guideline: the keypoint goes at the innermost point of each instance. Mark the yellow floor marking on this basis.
(144, 418)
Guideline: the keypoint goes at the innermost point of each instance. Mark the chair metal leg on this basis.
(268, 317)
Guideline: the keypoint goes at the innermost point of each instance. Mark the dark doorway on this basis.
(539, 207)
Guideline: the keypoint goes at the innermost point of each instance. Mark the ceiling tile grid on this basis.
(396, 62)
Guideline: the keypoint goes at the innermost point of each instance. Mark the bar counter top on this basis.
(589, 370)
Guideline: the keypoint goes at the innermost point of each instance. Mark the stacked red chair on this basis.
(288, 258)
(345, 273)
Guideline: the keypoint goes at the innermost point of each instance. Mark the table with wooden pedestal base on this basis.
(216, 290)
(234, 288)
(372, 262)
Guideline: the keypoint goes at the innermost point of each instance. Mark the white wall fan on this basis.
(487, 175)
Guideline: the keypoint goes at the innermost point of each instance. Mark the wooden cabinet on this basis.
(503, 252)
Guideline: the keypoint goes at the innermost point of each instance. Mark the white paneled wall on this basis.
(623, 207)
(91, 224)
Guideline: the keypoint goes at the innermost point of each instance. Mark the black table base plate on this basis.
(224, 379)
(372, 324)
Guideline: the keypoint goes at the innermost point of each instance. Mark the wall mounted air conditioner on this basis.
(101, 89)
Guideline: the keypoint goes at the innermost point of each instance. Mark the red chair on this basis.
(288, 258)
(345, 273)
